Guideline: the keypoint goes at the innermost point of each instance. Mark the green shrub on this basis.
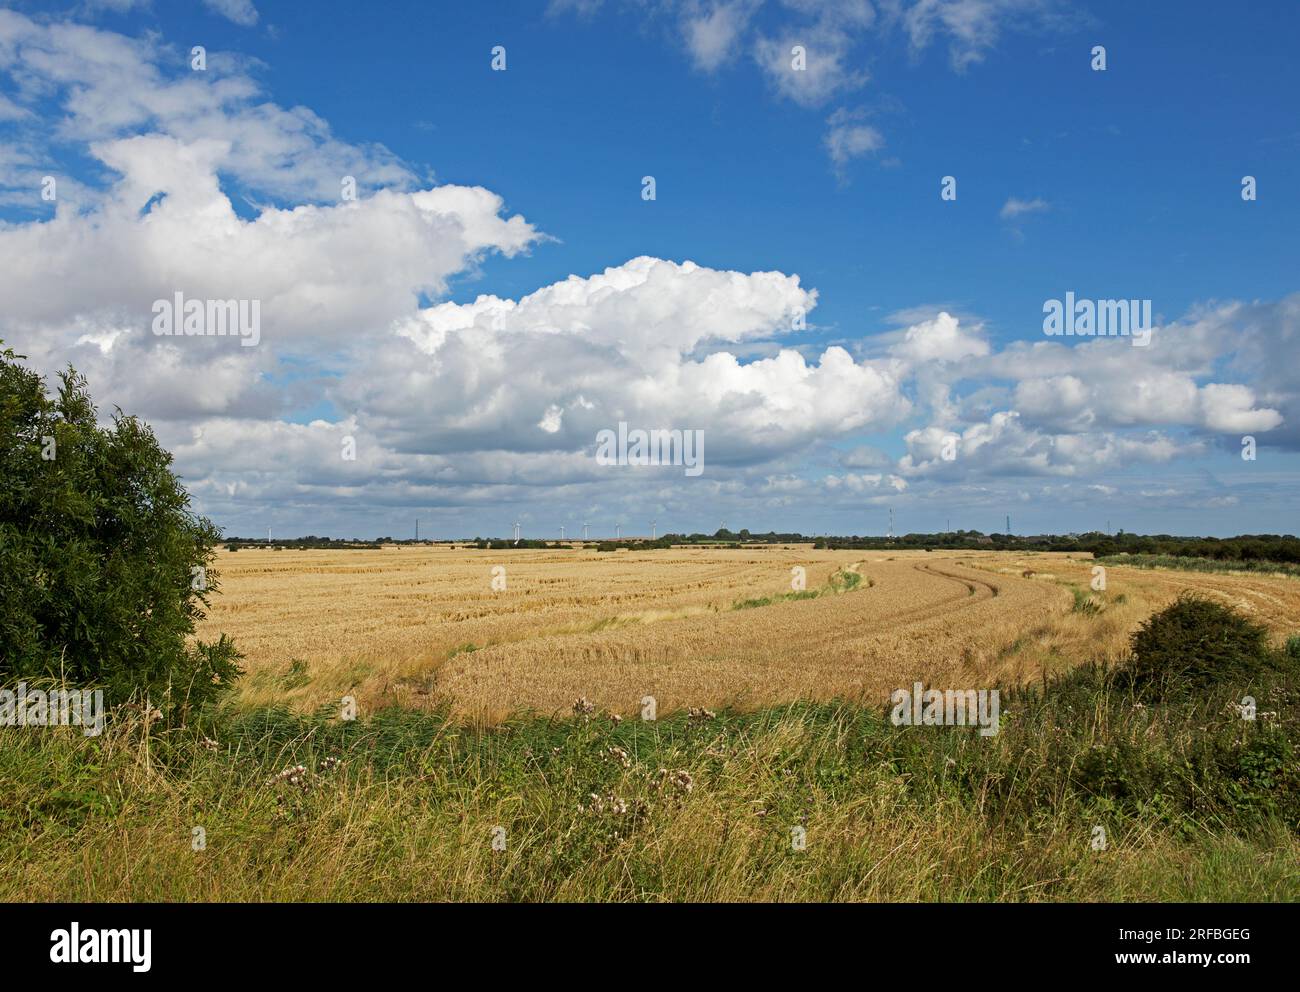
(1196, 644)
(103, 568)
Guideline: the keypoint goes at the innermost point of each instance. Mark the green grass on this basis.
(1085, 602)
(844, 580)
(785, 597)
(297, 675)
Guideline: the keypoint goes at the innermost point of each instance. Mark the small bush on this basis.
(1196, 644)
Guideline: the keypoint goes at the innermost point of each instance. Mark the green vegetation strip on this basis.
(1203, 564)
(841, 580)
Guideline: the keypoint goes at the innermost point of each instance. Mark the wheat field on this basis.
(423, 626)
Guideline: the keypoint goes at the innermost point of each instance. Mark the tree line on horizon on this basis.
(1282, 548)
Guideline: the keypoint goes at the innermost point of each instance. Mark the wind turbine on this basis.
(561, 532)
(584, 531)
(516, 531)
(652, 530)
(618, 532)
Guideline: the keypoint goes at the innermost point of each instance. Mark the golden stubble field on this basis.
(423, 626)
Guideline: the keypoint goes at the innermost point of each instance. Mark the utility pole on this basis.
(1008, 524)
(417, 530)
(891, 523)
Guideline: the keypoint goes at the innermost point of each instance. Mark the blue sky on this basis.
(1132, 176)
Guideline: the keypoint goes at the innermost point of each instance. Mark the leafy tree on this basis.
(104, 570)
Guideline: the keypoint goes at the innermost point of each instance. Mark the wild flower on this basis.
(295, 775)
(679, 779)
(1243, 711)
(606, 805)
